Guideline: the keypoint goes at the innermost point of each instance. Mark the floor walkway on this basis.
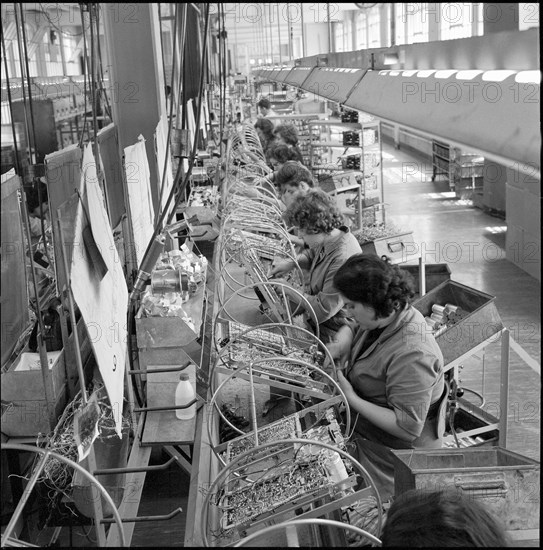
(472, 244)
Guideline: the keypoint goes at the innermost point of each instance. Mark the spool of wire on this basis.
(169, 280)
(451, 308)
(436, 308)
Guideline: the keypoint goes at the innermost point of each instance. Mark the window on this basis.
(457, 20)
(374, 27)
(338, 36)
(400, 22)
(417, 16)
(361, 31)
(347, 35)
(528, 15)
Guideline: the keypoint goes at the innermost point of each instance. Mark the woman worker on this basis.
(394, 368)
(329, 243)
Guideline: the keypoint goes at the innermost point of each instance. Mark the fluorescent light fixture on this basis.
(426, 73)
(411, 72)
(394, 73)
(497, 76)
(529, 77)
(445, 74)
(469, 74)
(384, 72)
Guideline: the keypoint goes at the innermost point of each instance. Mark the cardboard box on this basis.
(505, 482)
(23, 390)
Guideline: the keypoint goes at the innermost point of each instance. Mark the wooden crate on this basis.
(22, 388)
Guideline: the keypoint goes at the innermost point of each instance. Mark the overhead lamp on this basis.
(425, 73)
(529, 77)
(468, 74)
(445, 73)
(497, 75)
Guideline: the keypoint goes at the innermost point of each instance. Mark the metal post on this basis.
(279, 35)
(329, 26)
(49, 399)
(303, 29)
(504, 388)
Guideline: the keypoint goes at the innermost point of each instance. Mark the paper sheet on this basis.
(103, 302)
(138, 184)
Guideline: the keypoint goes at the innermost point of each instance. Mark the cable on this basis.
(10, 103)
(85, 65)
(170, 120)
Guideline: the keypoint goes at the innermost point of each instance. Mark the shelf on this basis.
(347, 125)
(334, 144)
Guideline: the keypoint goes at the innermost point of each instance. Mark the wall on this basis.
(523, 215)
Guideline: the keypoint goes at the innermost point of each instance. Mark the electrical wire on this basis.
(85, 65)
(170, 121)
(10, 103)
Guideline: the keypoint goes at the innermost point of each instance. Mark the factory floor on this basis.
(472, 243)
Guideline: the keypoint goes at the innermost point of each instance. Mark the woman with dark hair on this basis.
(393, 366)
(264, 129)
(329, 243)
(279, 153)
(288, 134)
(291, 180)
(437, 519)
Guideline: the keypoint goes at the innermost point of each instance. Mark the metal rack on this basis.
(339, 175)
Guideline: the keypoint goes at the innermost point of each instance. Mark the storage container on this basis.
(505, 482)
(434, 274)
(481, 322)
(398, 248)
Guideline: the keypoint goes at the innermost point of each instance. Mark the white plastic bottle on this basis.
(184, 393)
(336, 469)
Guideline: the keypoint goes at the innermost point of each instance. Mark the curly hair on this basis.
(315, 212)
(374, 282)
(264, 102)
(265, 125)
(288, 132)
(292, 173)
(282, 152)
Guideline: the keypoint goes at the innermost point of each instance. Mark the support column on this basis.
(136, 78)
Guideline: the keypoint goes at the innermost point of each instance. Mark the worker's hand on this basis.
(279, 268)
